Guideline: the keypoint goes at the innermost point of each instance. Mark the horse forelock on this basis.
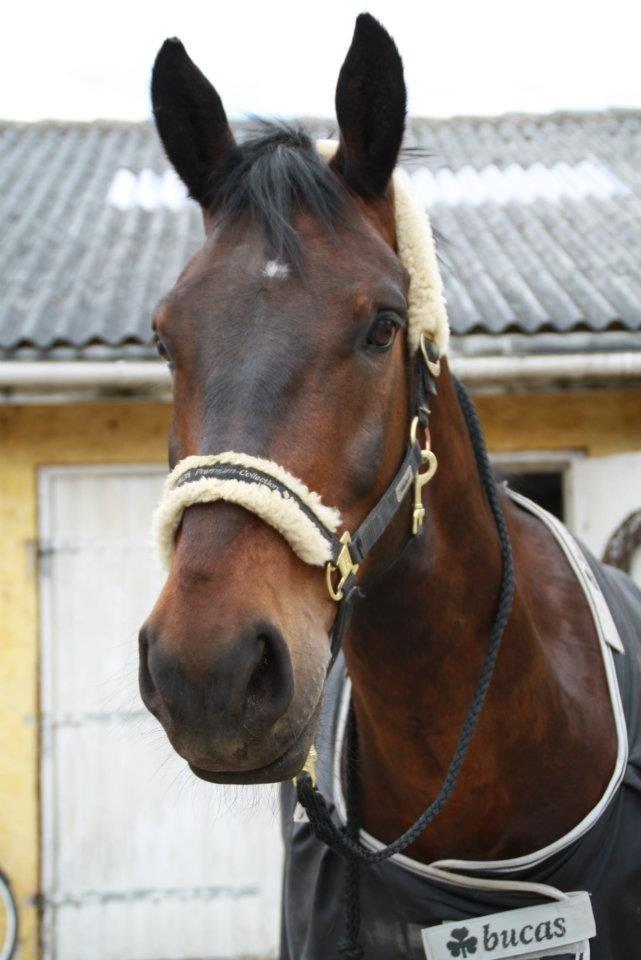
(272, 176)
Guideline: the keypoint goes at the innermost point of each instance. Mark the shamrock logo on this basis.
(461, 944)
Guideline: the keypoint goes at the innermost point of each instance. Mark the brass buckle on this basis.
(434, 366)
(427, 458)
(345, 566)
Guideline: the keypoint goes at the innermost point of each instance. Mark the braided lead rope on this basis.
(348, 945)
(340, 840)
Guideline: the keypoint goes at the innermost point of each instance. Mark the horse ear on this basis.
(190, 118)
(371, 103)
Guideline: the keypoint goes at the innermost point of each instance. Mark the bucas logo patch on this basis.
(559, 929)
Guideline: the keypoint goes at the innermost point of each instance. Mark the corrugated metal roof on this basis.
(540, 219)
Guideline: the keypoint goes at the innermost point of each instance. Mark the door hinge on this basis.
(40, 553)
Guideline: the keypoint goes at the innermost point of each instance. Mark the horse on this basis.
(290, 340)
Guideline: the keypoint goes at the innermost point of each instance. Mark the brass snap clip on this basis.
(345, 567)
(429, 459)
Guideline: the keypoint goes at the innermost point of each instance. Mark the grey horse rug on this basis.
(404, 903)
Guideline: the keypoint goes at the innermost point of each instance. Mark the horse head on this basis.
(286, 337)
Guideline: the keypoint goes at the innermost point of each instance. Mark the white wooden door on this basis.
(140, 860)
(600, 492)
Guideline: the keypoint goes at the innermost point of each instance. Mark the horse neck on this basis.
(415, 652)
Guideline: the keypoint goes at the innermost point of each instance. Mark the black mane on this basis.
(271, 176)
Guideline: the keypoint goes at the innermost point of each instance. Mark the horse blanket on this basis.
(400, 897)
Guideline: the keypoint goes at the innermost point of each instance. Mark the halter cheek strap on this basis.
(310, 527)
(417, 469)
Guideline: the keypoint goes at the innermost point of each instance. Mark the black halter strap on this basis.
(348, 552)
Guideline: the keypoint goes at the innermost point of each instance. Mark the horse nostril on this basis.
(259, 678)
(147, 686)
(247, 685)
(271, 684)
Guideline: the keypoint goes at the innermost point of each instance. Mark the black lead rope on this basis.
(345, 841)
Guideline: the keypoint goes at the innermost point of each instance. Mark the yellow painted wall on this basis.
(30, 437)
(599, 423)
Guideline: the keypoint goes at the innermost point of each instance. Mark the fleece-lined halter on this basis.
(285, 502)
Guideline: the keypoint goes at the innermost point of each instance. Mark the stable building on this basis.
(112, 850)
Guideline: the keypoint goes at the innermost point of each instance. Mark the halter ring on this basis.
(345, 566)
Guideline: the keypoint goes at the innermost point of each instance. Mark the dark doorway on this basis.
(545, 488)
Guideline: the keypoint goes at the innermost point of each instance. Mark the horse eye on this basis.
(162, 349)
(382, 332)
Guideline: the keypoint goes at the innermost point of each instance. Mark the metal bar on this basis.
(549, 368)
(145, 894)
(65, 381)
(125, 374)
(54, 721)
